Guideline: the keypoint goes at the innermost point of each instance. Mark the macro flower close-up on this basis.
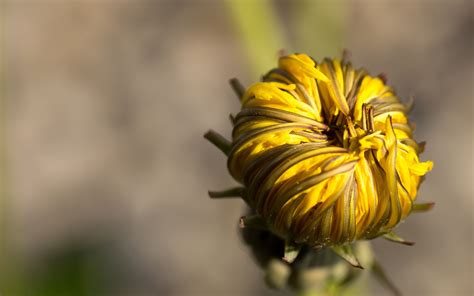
(326, 155)
(236, 148)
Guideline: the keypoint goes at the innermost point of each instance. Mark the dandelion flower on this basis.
(324, 154)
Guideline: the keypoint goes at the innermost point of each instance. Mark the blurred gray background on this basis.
(106, 103)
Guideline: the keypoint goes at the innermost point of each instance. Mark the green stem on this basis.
(320, 26)
(219, 141)
(259, 29)
(3, 204)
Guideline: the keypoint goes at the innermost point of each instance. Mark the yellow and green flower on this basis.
(324, 154)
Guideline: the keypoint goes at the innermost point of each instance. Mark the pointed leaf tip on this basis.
(346, 252)
(232, 192)
(291, 252)
(253, 221)
(219, 141)
(423, 207)
(238, 88)
(397, 239)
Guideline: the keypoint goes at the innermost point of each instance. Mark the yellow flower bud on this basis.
(324, 153)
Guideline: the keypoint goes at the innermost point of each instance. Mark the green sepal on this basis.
(238, 88)
(422, 207)
(232, 192)
(291, 252)
(378, 271)
(347, 253)
(219, 141)
(232, 119)
(391, 236)
(421, 146)
(253, 221)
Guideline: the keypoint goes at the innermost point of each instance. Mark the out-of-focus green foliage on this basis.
(259, 31)
(73, 271)
(314, 26)
(319, 27)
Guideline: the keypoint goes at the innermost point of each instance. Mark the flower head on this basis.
(325, 153)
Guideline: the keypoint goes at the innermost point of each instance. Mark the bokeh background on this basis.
(106, 171)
